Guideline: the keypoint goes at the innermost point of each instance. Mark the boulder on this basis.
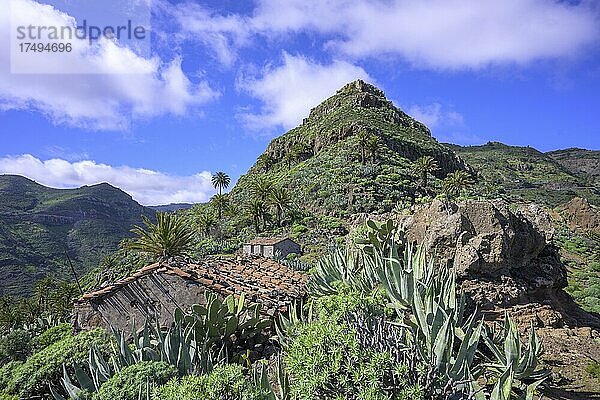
(502, 254)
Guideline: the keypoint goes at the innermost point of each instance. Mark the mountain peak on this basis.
(360, 86)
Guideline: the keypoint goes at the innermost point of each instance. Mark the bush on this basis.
(7, 373)
(51, 336)
(132, 381)
(46, 366)
(325, 361)
(14, 346)
(225, 382)
(593, 369)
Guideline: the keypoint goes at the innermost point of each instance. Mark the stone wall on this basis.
(285, 247)
(151, 296)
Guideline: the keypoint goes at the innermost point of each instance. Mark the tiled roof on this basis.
(262, 280)
(267, 241)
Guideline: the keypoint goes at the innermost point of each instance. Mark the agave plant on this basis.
(279, 391)
(436, 333)
(297, 313)
(197, 341)
(342, 265)
(429, 308)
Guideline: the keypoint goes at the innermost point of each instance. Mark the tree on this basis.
(206, 221)
(288, 158)
(265, 161)
(372, 147)
(363, 138)
(220, 202)
(281, 201)
(169, 237)
(456, 183)
(301, 151)
(221, 181)
(261, 188)
(257, 210)
(424, 166)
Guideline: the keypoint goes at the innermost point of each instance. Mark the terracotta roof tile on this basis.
(262, 280)
(266, 240)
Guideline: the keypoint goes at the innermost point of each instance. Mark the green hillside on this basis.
(39, 224)
(526, 174)
(330, 172)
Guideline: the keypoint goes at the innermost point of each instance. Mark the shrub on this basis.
(51, 336)
(225, 382)
(14, 346)
(32, 378)
(7, 373)
(325, 361)
(131, 382)
(593, 369)
(298, 229)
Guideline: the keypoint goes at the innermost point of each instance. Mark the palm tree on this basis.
(220, 181)
(257, 210)
(456, 183)
(288, 158)
(265, 161)
(169, 237)
(424, 166)
(261, 188)
(372, 147)
(281, 200)
(220, 202)
(206, 221)
(363, 138)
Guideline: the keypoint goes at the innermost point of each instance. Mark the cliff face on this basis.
(38, 225)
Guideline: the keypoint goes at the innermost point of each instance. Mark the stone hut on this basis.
(269, 247)
(155, 291)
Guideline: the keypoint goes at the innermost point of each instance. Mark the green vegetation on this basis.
(169, 237)
(526, 174)
(593, 369)
(581, 255)
(39, 225)
(220, 181)
(423, 167)
(136, 381)
(33, 376)
(224, 382)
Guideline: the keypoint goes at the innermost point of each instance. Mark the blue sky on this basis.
(223, 78)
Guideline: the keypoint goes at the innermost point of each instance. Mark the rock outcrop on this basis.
(580, 216)
(503, 256)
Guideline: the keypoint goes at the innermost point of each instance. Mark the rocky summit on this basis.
(354, 153)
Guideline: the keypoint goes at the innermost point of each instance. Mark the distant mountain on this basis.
(585, 163)
(526, 174)
(39, 224)
(171, 207)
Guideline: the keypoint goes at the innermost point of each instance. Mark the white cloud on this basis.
(123, 87)
(432, 34)
(289, 90)
(434, 116)
(441, 33)
(223, 34)
(148, 187)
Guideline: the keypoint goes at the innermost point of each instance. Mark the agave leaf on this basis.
(85, 382)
